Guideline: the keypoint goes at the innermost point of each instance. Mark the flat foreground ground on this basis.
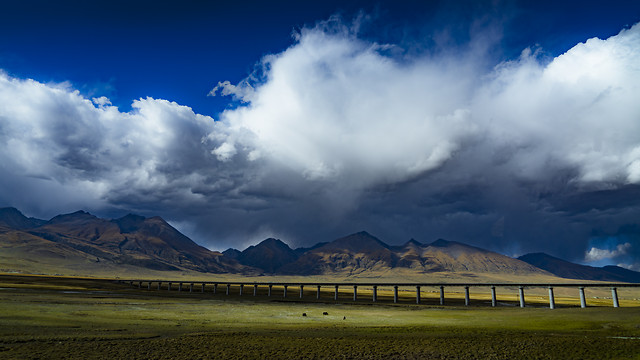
(88, 319)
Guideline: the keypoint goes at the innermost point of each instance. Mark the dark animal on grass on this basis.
(325, 313)
(304, 314)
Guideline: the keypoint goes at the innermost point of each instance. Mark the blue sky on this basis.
(179, 50)
(510, 125)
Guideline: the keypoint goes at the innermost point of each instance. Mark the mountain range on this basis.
(81, 238)
(569, 270)
(85, 243)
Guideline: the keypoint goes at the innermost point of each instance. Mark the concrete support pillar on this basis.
(583, 300)
(395, 294)
(355, 292)
(521, 294)
(159, 285)
(552, 301)
(318, 293)
(215, 288)
(467, 300)
(270, 288)
(441, 295)
(614, 296)
(179, 286)
(228, 289)
(493, 296)
(149, 285)
(285, 291)
(335, 294)
(417, 294)
(139, 284)
(131, 282)
(301, 291)
(241, 289)
(191, 287)
(169, 287)
(375, 293)
(255, 290)
(202, 287)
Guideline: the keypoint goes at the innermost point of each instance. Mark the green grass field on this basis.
(85, 319)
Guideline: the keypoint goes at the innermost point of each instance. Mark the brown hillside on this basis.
(353, 254)
(132, 240)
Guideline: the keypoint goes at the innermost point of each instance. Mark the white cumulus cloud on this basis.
(54, 138)
(336, 132)
(334, 107)
(596, 254)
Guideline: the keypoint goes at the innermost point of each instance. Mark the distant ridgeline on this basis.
(84, 242)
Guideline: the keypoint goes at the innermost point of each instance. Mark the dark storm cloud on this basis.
(337, 134)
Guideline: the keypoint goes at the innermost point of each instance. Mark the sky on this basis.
(508, 125)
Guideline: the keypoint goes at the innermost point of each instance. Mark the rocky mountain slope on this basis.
(570, 270)
(12, 218)
(149, 243)
(86, 244)
(443, 255)
(353, 254)
(269, 255)
(362, 252)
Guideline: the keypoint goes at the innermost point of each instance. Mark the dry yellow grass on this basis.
(74, 318)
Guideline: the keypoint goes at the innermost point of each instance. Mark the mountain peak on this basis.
(271, 242)
(269, 255)
(413, 242)
(441, 243)
(232, 253)
(130, 217)
(129, 223)
(13, 218)
(86, 240)
(358, 242)
(79, 215)
(10, 210)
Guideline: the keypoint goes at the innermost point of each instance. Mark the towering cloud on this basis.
(337, 134)
(334, 106)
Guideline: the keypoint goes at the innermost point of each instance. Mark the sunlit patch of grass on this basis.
(45, 321)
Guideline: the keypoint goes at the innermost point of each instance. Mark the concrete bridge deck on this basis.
(395, 286)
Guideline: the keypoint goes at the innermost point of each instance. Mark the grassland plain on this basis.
(55, 318)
